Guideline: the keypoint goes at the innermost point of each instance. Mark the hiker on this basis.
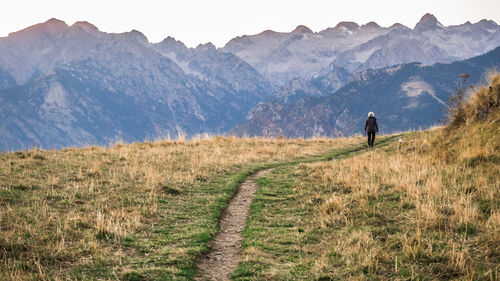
(371, 127)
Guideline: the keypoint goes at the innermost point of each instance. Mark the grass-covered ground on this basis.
(428, 210)
(139, 211)
(330, 210)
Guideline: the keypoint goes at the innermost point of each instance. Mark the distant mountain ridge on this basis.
(74, 85)
(64, 85)
(303, 53)
(403, 97)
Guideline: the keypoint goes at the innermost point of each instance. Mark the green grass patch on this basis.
(303, 227)
(279, 236)
(134, 212)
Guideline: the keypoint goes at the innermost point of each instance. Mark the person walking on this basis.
(371, 128)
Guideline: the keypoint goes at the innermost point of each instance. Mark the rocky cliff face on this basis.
(403, 97)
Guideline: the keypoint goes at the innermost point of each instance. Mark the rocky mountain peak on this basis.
(207, 49)
(349, 25)
(86, 26)
(55, 23)
(487, 24)
(370, 25)
(170, 44)
(428, 18)
(51, 26)
(398, 26)
(139, 36)
(206, 46)
(267, 33)
(302, 29)
(428, 22)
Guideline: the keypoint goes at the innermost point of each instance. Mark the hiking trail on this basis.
(225, 249)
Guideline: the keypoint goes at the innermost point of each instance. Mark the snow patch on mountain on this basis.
(415, 88)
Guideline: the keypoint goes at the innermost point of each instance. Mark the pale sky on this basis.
(217, 21)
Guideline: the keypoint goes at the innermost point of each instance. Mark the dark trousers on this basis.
(371, 138)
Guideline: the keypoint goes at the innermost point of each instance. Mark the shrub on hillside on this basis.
(481, 103)
(473, 130)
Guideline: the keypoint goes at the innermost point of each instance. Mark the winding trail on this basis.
(225, 249)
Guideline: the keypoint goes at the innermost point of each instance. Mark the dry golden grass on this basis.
(98, 213)
(427, 211)
(445, 213)
(446, 185)
(386, 214)
(430, 210)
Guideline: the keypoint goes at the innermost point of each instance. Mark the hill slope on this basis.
(427, 209)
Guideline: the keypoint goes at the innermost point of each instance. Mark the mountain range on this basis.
(74, 85)
(64, 85)
(304, 53)
(405, 96)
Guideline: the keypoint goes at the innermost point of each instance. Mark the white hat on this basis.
(371, 114)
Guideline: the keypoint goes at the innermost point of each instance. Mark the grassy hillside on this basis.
(330, 209)
(129, 211)
(428, 210)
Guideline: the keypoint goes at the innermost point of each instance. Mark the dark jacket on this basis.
(371, 125)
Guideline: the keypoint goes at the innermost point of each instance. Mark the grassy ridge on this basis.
(428, 210)
(386, 214)
(129, 211)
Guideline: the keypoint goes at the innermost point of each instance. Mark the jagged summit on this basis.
(398, 25)
(88, 27)
(55, 21)
(139, 36)
(302, 29)
(171, 40)
(266, 33)
(347, 24)
(370, 25)
(51, 26)
(428, 18)
(427, 22)
(488, 23)
(206, 46)
(169, 45)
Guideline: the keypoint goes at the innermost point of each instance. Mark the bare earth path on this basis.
(225, 249)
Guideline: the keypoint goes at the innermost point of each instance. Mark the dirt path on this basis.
(225, 249)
